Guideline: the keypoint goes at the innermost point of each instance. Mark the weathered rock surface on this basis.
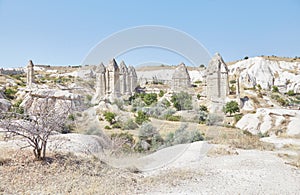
(4, 105)
(267, 73)
(181, 80)
(217, 83)
(273, 121)
(59, 99)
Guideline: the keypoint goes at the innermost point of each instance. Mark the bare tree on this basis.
(36, 124)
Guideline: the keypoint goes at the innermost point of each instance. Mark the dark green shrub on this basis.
(231, 107)
(71, 117)
(203, 108)
(150, 98)
(141, 117)
(109, 117)
(291, 93)
(173, 118)
(182, 101)
(117, 125)
(275, 89)
(107, 127)
(10, 93)
(232, 81)
(161, 93)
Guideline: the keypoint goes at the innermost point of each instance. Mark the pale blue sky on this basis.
(63, 32)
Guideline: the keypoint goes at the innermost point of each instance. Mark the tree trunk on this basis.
(44, 146)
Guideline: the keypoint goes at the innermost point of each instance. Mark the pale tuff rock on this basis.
(132, 84)
(100, 83)
(114, 81)
(266, 120)
(181, 80)
(30, 74)
(217, 83)
(267, 73)
(57, 99)
(4, 105)
(123, 78)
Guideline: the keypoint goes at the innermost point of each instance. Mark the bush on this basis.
(275, 89)
(130, 125)
(161, 93)
(150, 98)
(119, 103)
(183, 136)
(232, 81)
(137, 104)
(291, 93)
(107, 127)
(141, 117)
(167, 112)
(146, 131)
(202, 116)
(10, 93)
(282, 102)
(17, 108)
(148, 135)
(165, 103)
(258, 86)
(203, 108)
(182, 101)
(231, 107)
(173, 118)
(122, 141)
(71, 117)
(109, 117)
(117, 125)
(214, 119)
(237, 117)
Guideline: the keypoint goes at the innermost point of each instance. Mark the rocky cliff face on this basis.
(266, 73)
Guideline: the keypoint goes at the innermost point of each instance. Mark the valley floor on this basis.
(197, 168)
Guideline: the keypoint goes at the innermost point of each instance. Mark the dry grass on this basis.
(69, 174)
(237, 139)
(221, 151)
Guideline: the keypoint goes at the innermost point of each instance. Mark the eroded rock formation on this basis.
(181, 80)
(114, 81)
(217, 83)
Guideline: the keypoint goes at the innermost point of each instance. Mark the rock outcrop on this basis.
(4, 105)
(60, 100)
(267, 73)
(217, 83)
(271, 121)
(114, 81)
(30, 74)
(181, 80)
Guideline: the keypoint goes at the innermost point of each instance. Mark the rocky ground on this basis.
(197, 168)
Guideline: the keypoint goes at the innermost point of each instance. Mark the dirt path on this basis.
(249, 172)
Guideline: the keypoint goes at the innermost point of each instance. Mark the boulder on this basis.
(271, 121)
(4, 105)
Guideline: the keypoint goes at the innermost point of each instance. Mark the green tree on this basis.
(203, 108)
(291, 93)
(275, 89)
(109, 117)
(150, 98)
(141, 117)
(182, 101)
(161, 93)
(231, 107)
